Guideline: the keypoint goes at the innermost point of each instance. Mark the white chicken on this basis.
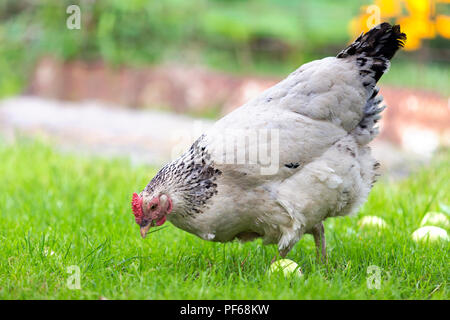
(315, 125)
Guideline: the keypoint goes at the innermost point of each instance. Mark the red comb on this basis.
(136, 205)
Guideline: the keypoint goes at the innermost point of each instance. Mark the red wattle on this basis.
(161, 221)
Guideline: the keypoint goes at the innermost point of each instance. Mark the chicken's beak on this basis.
(144, 230)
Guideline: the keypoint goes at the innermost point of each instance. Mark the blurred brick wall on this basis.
(413, 118)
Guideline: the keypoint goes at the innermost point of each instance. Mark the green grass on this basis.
(78, 208)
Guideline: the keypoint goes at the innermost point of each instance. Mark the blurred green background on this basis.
(269, 37)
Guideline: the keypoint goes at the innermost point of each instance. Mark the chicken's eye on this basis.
(153, 207)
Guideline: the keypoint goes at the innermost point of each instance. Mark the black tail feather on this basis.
(371, 52)
(382, 41)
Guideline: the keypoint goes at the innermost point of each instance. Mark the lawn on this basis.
(59, 210)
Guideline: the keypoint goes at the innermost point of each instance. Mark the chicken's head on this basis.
(150, 211)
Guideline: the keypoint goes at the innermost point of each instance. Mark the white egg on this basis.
(430, 233)
(372, 221)
(435, 219)
(288, 267)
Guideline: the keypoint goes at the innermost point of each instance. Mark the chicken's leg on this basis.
(321, 246)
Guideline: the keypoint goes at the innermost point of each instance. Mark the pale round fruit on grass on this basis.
(438, 219)
(430, 233)
(287, 267)
(372, 222)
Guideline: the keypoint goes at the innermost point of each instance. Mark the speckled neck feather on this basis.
(192, 176)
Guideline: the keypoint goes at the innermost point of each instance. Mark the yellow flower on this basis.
(417, 27)
(413, 43)
(410, 27)
(360, 24)
(389, 8)
(443, 25)
(420, 22)
(419, 7)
